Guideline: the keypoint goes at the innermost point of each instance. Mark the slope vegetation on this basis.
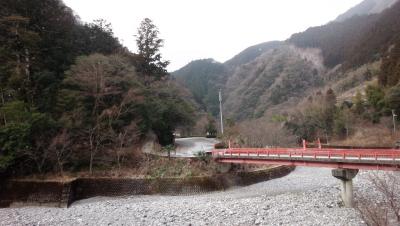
(271, 79)
(366, 7)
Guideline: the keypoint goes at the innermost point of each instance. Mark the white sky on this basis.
(219, 29)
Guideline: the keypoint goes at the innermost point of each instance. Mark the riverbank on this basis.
(307, 196)
(16, 192)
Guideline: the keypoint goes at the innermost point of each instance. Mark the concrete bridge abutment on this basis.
(346, 177)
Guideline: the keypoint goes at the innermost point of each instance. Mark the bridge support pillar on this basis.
(346, 177)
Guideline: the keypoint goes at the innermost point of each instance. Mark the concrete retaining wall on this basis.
(17, 192)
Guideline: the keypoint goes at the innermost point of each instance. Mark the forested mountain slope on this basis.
(72, 97)
(204, 78)
(356, 41)
(252, 53)
(366, 7)
(341, 54)
(271, 79)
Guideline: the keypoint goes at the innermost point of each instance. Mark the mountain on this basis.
(365, 8)
(336, 39)
(274, 77)
(356, 41)
(204, 78)
(252, 53)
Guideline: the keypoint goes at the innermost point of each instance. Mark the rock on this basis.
(305, 197)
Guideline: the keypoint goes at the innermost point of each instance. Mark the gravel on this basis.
(308, 196)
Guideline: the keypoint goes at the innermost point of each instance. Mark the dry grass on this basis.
(371, 135)
(260, 133)
(149, 166)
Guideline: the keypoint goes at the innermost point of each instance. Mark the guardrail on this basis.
(387, 159)
(310, 152)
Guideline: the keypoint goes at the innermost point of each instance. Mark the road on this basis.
(188, 147)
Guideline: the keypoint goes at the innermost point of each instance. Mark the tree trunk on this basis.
(17, 53)
(326, 136)
(119, 161)
(2, 103)
(60, 166)
(91, 150)
(28, 76)
(91, 162)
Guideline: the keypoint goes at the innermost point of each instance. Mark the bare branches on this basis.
(382, 206)
(61, 147)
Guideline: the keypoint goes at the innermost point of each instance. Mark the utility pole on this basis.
(394, 121)
(220, 112)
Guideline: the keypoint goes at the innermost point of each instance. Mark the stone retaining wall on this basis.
(18, 192)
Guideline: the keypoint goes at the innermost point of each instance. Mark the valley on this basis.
(86, 116)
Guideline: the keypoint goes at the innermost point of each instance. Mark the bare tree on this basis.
(259, 133)
(98, 78)
(383, 206)
(61, 147)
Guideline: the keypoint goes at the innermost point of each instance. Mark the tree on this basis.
(19, 49)
(25, 137)
(316, 119)
(344, 120)
(359, 103)
(211, 129)
(165, 110)
(330, 98)
(97, 37)
(149, 44)
(60, 146)
(375, 97)
(393, 98)
(103, 86)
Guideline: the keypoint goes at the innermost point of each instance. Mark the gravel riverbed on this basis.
(307, 196)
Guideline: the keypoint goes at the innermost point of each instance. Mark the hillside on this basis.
(251, 53)
(273, 77)
(356, 41)
(73, 97)
(365, 8)
(203, 78)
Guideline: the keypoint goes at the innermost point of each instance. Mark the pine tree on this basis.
(149, 44)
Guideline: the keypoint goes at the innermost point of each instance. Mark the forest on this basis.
(73, 97)
(356, 41)
(353, 43)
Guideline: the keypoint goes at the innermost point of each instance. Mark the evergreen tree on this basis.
(149, 44)
(358, 106)
(393, 98)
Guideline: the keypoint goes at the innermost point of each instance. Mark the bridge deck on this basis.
(369, 159)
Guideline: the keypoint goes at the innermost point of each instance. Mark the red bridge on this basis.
(345, 162)
(360, 158)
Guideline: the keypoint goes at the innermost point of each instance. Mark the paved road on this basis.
(188, 147)
(307, 196)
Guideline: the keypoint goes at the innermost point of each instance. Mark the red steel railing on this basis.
(310, 152)
(323, 155)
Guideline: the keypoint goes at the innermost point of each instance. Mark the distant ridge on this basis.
(366, 7)
(251, 53)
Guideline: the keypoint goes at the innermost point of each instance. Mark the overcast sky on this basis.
(219, 29)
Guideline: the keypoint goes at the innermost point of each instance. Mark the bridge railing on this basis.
(376, 154)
